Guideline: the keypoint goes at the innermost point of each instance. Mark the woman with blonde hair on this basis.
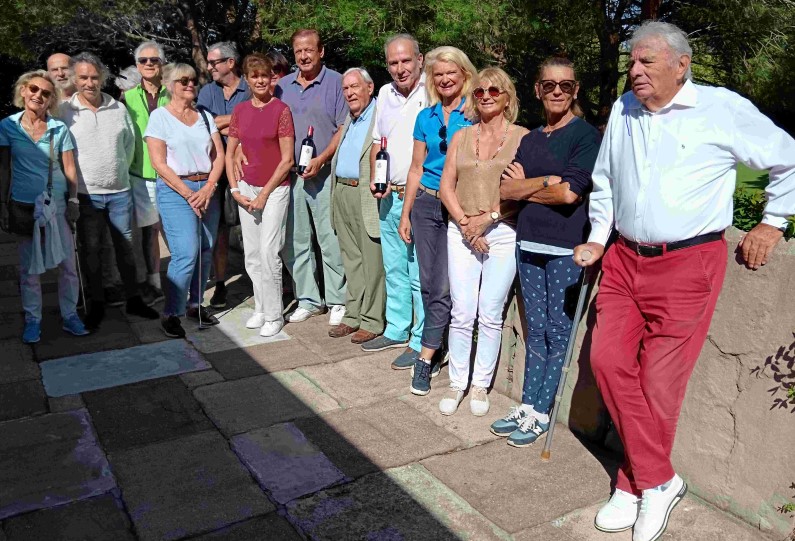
(481, 239)
(451, 78)
(35, 191)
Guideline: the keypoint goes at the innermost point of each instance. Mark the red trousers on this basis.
(653, 314)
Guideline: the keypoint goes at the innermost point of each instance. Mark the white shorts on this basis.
(144, 201)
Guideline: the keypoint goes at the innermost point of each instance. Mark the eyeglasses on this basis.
(185, 80)
(33, 89)
(213, 63)
(443, 137)
(566, 86)
(493, 91)
(155, 60)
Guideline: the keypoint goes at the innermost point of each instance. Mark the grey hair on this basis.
(408, 37)
(227, 50)
(360, 71)
(128, 78)
(672, 35)
(151, 45)
(88, 58)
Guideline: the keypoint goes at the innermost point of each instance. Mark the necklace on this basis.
(181, 115)
(477, 144)
(30, 129)
(549, 129)
(258, 104)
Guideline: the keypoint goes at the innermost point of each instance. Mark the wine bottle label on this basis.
(306, 156)
(380, 171)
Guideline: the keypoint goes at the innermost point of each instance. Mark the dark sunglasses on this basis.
(185, 80)
(213, 63)
(443, 137)
(565, 86)
(149, 60)
(46, 94)
(493, 91)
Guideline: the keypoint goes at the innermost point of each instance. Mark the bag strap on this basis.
(206, 123)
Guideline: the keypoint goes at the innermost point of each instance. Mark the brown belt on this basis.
(656, 250)
(348, 181)
(429, 191)
(198, 177)
(400, 190)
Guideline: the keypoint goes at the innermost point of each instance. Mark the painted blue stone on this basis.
(101, 370)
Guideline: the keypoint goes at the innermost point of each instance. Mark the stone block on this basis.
(551, 532)
(66, 403)
(271, 527)
(12, 324)
(366, 509)
(284, 462)
(261, 401)
(22, 399)
(365, 439)
(262, 359)
(18, 363)
(144, 413)
(48, 461)
(313, 333)
(230, 333)
(115, 333)
(186, 486)
(148, 331)
(197, 379)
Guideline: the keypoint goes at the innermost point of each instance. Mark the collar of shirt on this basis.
(51, 124)
(437, 110)
(686, 97)
(242, 86)
(292, 78)
(75, 103)
(366, 114)
(420, 87)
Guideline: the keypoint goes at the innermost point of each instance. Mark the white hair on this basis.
(360, 71)
(128, 78)
(672, 35)
(151, 45)
(227, 50)
(407, 37)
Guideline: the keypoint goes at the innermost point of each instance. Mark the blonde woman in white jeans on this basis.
(481, 246)
(265, 127)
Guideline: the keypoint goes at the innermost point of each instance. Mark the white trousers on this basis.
(263, 238)
(479, 286)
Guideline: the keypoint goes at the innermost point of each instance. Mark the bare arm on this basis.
(449, 181)
(412, 185)
(70, 171)
(286, 147)
(157, 156)
(222, 121)
(513, 186)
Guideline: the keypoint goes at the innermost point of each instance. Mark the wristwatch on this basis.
(234, 190)
(74, 200)
(494, 216)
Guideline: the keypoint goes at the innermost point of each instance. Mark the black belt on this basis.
(196, 177)
(656, 250)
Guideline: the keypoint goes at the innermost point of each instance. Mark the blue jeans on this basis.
(549, 288)
(429, 225)
(402, 272)
(181, 226)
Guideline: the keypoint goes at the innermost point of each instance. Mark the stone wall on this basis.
(736, 439)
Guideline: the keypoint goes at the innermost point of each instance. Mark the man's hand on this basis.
(404, 229)
(379, 195)
(315, 164)
(587, 254)
(239, 162)
(72, 212)
(758, 243)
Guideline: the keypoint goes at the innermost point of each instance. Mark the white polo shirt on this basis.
(394, 119)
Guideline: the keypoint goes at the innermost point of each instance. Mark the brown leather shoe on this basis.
(341, 330)
(361, 336)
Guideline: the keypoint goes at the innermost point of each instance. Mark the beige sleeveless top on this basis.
(478, 187)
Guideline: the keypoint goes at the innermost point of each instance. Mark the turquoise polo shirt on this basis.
(426, 129)
(350, 151)
(30, 160)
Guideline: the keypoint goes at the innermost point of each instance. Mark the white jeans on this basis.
(263, 239)
(468, 269)
(68, 283)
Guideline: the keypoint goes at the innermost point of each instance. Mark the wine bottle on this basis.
(307, 151)
(381, 168)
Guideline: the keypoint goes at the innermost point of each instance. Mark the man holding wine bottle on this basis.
(354, 213)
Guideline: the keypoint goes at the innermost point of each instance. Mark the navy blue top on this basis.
(570, 153)
(211, 98)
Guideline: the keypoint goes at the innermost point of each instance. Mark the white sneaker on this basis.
(302, 314)
(479, 401)
(655, 508)
(256, 321)
(271, 328)
(337, 313)
(619, 513)
(449, 403)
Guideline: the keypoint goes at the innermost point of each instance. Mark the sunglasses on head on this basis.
(149, 60)
(185, 80)
(566, 86)
(480, 92)
(34, 89)
(443, 137)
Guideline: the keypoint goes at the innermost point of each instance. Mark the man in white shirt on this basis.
(664, 179)
(399, 103)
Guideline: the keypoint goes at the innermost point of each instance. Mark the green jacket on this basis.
(135, 99)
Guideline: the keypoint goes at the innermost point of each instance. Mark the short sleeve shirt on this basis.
(30, 160)
(428, 129)
(260, 130)
(212, 99)
(187, 147)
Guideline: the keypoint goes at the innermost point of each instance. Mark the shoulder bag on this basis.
(229, 206)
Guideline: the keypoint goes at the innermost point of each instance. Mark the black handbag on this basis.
(229, 205)
(20, 215)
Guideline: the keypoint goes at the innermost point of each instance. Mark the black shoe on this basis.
(136, 307)
(152, 292)
(218, 299)
(114, 296)
(96, 313)
(172, 327)
(207, 319)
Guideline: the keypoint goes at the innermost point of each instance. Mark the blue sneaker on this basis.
(32, 332)
(380, 343)
(435, 367)
(528, 432)
(503, 427)
(74, 326)
(405, 360)
(421, 378)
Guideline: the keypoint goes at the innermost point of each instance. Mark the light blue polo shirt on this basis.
(30, 161)
(350, 152)
(426, 129)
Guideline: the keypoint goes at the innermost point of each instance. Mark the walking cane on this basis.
(79, 271)
(585, 286)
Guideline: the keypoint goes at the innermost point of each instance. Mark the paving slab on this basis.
(96, 519)
(80, 373)
(115, 333)
(271, 527)
(284, 462)
(11, 324)
(508, 485)
(230, 333)
(22, 399)
(552, 532)
(66, 403)
(261, 401)
(404, 503)
(186, 486)
(50, 460)
(149, 331)
(262, 359)
(366, 439)
(17, 363)
(144, 413)
(197, 379)
(313, 333)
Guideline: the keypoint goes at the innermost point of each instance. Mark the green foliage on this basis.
(749, 207)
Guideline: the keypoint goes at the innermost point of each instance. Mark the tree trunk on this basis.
(197, 52)
(650, 9)
(608, 30)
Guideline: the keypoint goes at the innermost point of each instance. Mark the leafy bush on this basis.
(749, 206)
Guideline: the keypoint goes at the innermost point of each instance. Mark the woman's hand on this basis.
(258, 203)
(242, 200)
(238, 163)
(404, 228)
(200, 199)
(481, 245)
(475, 226)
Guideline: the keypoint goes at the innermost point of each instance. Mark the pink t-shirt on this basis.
(259, 130)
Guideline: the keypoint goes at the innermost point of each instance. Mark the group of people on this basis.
(471, 201)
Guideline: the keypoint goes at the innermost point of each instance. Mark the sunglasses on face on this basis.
(443, 137)
(185, 80)
(480, 93)
(213, 63)
(566, 86)
(33, 89)
(154, 60)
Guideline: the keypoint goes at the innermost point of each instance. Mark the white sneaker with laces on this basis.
(301, 314)
(256, 321)
(479, 401)
(271, 328)
(336, 315)
(619, 513)
(449, 403)
(655, 508)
